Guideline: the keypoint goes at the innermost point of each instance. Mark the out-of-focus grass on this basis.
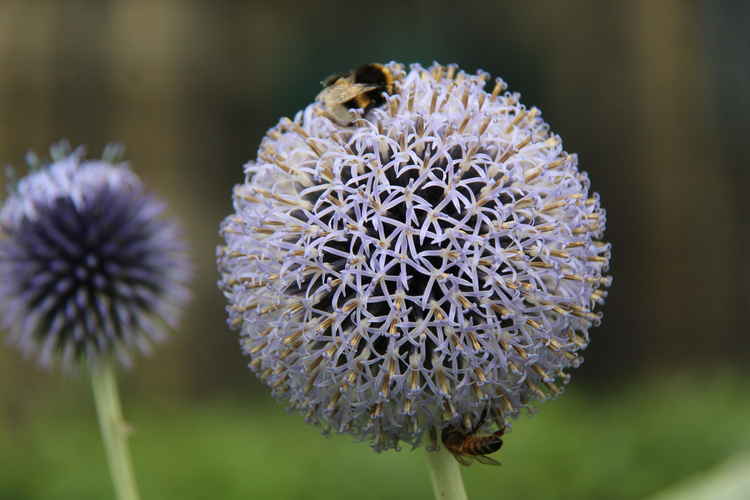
(620, 445)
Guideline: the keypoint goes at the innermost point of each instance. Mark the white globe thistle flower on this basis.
(439, 258)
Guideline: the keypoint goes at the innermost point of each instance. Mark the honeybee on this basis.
(466, 446)
(359, 89)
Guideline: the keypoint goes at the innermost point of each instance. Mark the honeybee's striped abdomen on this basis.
(482, 445)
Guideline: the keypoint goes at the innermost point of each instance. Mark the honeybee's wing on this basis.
(484, 459)
(463, 459)
(340, 93)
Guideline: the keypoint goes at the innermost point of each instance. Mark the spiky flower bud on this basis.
(439, 257)
(87, 266)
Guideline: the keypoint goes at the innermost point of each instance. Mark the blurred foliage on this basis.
(617, 446)
(729, 481)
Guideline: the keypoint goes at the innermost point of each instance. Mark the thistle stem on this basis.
(114, 429)
(445, 475)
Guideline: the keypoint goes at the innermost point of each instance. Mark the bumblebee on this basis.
(361, 88)
(466, 446)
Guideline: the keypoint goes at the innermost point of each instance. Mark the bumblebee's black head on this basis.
(376, 75)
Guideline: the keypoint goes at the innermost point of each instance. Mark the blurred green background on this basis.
(652, 95)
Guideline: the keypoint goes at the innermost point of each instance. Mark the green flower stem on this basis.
(114, 429)
(445, 474)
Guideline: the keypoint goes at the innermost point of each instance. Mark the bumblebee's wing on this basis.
(484, 459)
(330, 80)
(340, 115)
(339, 94)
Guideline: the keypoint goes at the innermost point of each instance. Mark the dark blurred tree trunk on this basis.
(628, 87)
(147, 45)
(587, 64)
(726, 35)
(27, 31)
(686, 292)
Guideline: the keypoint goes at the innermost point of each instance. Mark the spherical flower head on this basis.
(438, 259)
(87, 266)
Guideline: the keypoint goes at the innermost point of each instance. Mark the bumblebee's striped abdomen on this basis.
(364, 101)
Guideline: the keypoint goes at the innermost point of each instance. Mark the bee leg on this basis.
(499, 419)
(480, 421)
(433, 440)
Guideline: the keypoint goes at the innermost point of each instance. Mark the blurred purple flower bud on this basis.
(87, 265)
